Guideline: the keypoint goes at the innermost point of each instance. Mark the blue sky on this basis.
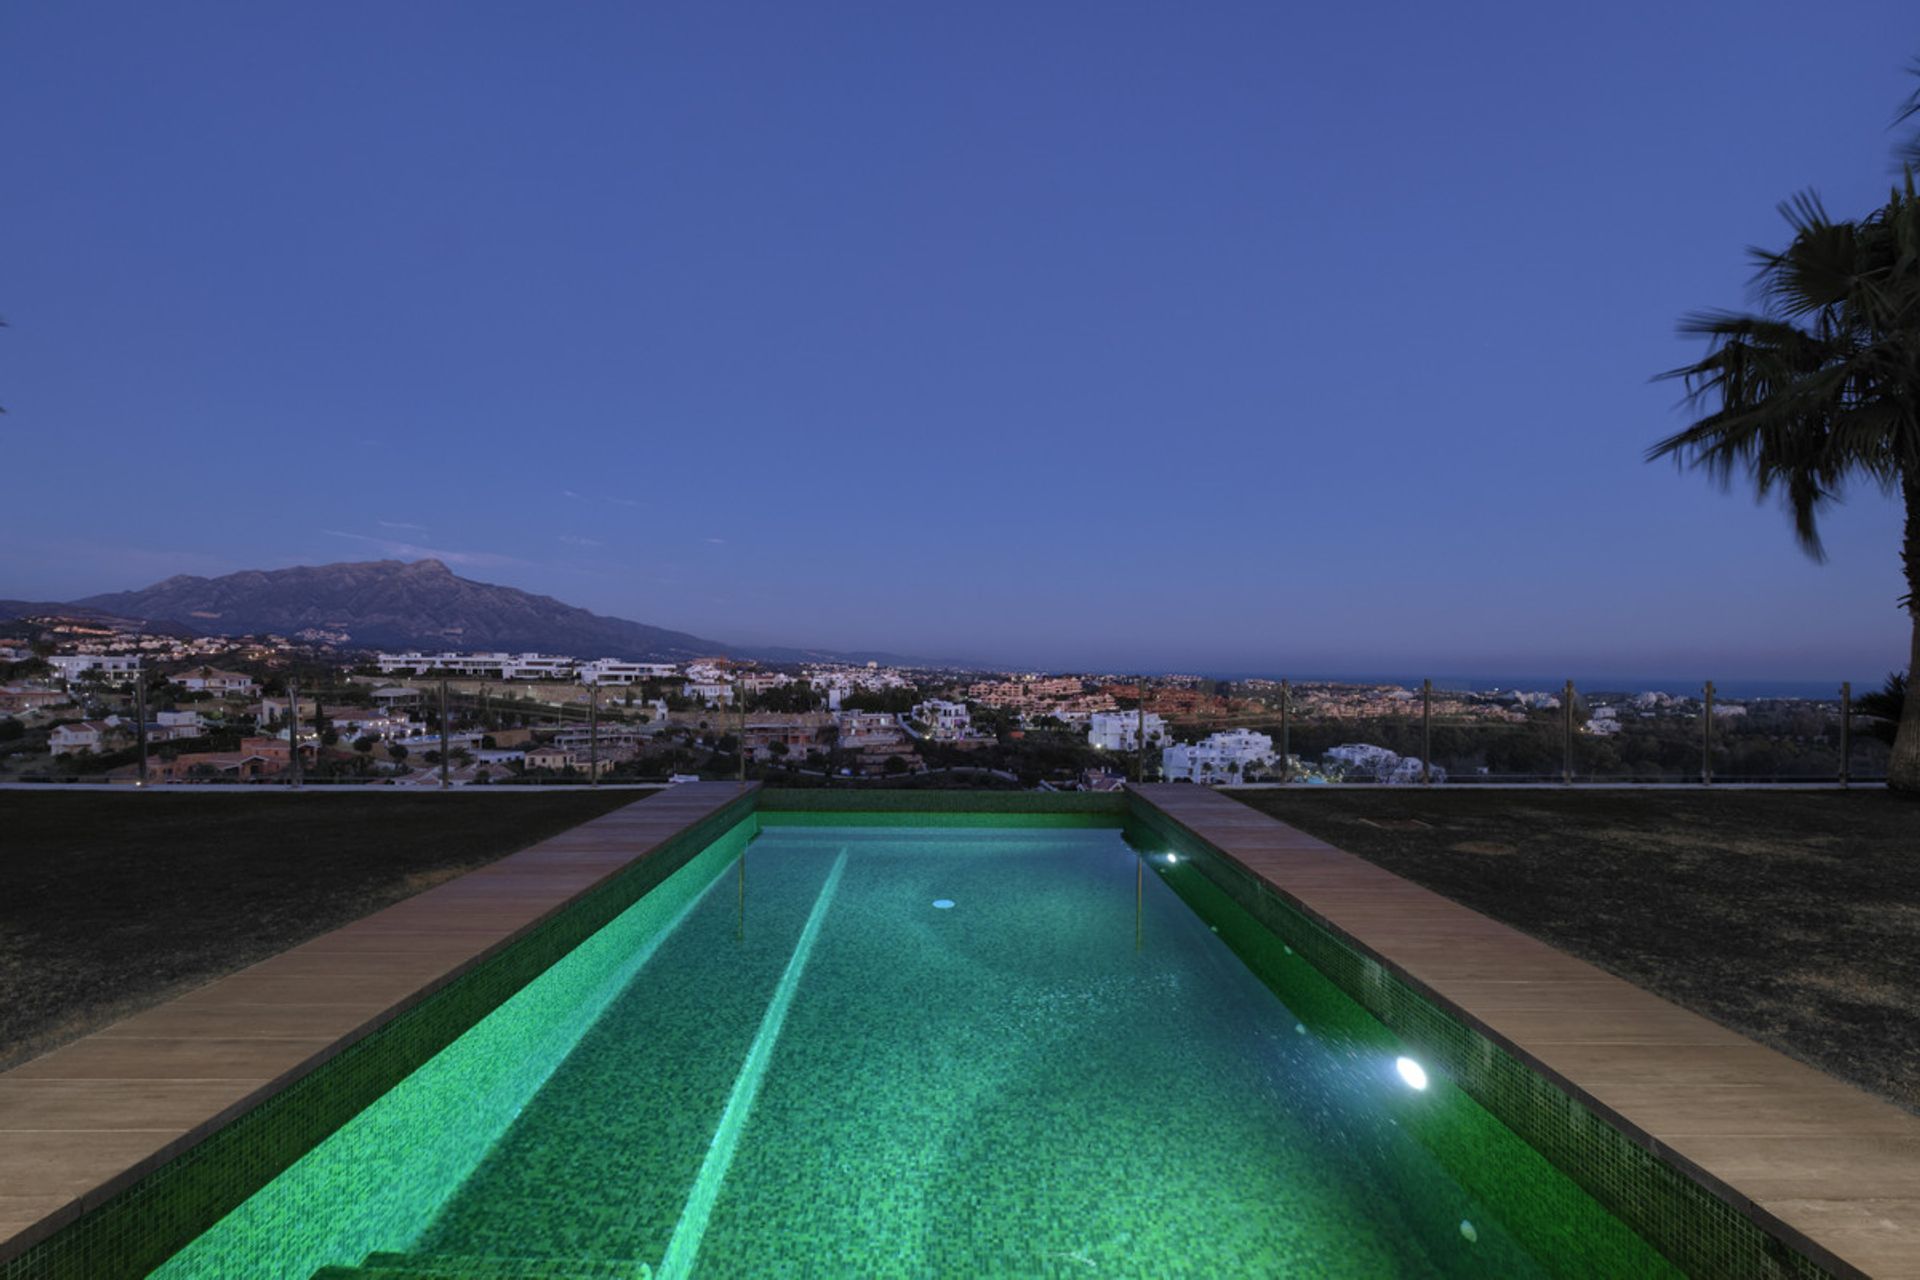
(1227, 336)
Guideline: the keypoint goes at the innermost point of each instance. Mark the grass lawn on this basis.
(111, 902)
(1793, 917)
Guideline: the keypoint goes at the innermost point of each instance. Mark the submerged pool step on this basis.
(429, 1266)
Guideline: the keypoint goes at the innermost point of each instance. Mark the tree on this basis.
(397, 752)
(1886, 707)
(1821, 388)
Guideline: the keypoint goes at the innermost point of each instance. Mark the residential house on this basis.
(797, 732)
(565, 758)
(82, 738)
(115, 668)
(1221, 757)
(15, 698)
(1120, 730)
(214, 680)
(945, 721)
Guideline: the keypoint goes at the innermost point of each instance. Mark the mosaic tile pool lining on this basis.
(1703, 1233)
(1068, 1072)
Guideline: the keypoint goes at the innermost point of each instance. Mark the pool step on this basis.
(419, 1266)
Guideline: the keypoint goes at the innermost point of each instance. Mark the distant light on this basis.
(1172, 858)
(943, 904)
(1412, 1072)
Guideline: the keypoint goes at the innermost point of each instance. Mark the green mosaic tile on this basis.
(135, 1231)
(1702, 1233)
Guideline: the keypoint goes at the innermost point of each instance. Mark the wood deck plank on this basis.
(82, 1122)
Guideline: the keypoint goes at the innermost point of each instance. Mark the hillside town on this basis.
(83, 700)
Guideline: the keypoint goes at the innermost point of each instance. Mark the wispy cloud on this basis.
(573, 541)
(412, 551)
(624, 502)
(718, 542)
(568, 493)
(401, 525)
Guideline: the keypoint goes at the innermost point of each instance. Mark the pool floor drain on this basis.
(943, 904)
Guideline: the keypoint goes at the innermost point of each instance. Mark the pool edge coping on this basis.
(546, 879)
(1375, 940)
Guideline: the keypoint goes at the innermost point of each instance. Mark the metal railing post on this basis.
(1566, 707)
(1140, 736)
(1426, 733)
(1286, 732)
(293, 731)
(1846, 733)
(444, 782)
(593, 734)
(1706, 736)
(140, 711)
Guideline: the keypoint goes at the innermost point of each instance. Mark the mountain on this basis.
(392, 604)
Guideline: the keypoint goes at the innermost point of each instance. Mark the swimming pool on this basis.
(835, 1046)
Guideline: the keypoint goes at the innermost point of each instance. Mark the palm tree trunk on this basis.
(1903, 769)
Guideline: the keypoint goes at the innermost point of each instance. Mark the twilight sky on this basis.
(1309, 338)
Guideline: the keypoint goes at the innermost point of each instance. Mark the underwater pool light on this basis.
(1412, 1072)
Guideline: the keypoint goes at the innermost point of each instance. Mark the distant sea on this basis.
(1688, 688)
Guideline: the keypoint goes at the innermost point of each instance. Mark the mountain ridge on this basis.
(396, 604)
(401, 604)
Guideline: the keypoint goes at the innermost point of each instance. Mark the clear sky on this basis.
(1192, 336)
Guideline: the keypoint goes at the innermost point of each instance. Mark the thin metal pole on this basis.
(1426, 733)
(444, 783)
(593, 734)
(1140, 736)
(740, 726)
(293, 729)
(140, 710)
(1566, 706)
(1706, 737)
(1286, 734)
(1846, 733)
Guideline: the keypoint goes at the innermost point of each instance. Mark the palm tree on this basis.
(1821, 387)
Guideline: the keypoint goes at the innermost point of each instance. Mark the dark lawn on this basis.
(1793, 917)
(113, 901)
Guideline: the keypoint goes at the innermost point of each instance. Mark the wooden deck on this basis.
(84, 1122)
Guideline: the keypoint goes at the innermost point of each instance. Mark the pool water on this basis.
(912, 1050)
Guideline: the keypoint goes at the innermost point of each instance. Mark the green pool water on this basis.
(790, 1059)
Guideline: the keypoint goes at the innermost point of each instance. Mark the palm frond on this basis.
(1907, 153)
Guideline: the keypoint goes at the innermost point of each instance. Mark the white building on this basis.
(86, 736)
(1362, 760)
(1222, 757)
(190, 720)
(503, 666)
(945, 721)
(617, 671)
(214, 680)
(1120, 730)
(117, 668)
(714, 693)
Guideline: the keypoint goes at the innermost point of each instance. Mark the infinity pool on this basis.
(825, 1050)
